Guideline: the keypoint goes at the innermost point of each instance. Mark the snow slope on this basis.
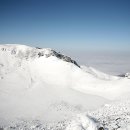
(42, 84)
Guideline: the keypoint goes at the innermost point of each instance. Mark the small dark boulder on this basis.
(101, 128)
(40, 54)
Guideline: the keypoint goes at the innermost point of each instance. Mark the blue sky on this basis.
(66, 24)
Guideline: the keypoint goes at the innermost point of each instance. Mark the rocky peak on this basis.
(26, 52)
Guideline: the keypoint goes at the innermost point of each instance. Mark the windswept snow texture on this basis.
(43, 89)
(83, 122)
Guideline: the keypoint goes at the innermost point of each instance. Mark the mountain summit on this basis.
(26, 52)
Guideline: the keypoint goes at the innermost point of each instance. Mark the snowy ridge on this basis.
(98, 74)
(26, 52)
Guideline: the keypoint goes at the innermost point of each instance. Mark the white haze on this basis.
(111, 62)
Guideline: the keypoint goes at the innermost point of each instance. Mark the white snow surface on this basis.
(43, 85)
(83, 122)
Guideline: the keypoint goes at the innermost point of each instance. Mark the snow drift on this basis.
(83, 122)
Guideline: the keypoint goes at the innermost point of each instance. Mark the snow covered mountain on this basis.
(42, 84)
